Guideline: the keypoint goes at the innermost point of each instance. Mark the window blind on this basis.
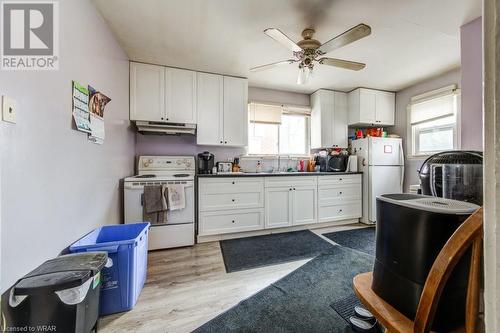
(265, 113)
(434, 105)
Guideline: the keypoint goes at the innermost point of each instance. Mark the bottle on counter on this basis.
(236, 164)
(258, 169)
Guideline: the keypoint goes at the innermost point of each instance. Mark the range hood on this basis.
(155, 127)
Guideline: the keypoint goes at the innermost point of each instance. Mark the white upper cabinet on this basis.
(385, 107)
(147, 92)
(222, 110)
(217, 104)
(162, 94)
(328, 119)
(235, 111)
(180, 97)
(210, 106)
(340, 120)
(368, 107)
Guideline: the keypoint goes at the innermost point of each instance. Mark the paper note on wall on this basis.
(80, 107)
(97, 103)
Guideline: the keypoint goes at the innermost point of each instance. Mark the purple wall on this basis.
(56, 186)
(472, 84)
(186, 144)
(181, 145)
(401, 126)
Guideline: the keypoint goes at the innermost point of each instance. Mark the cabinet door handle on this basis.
(233, 183)
(232, 221)
(294, 188)
(340, 179)
(221, 142)
(290, 189)
(340, 210)
(225, 142)
(232, 200)
(340, 192)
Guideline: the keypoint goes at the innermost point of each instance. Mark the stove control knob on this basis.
(146, 164)
(150, 160)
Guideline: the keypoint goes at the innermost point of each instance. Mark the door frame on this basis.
(491, 165)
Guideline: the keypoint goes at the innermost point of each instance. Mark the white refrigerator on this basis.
(382, 162)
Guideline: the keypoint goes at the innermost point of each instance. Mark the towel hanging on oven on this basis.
(176, 197)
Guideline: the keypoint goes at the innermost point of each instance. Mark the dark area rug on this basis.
(299, 302)
(251, 252)
(358, 239)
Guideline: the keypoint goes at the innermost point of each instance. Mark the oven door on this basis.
(133, 202)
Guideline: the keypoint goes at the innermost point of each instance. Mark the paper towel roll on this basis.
(352, 163)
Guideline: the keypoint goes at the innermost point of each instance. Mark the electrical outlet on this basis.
(9, 109)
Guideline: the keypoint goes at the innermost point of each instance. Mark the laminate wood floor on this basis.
(186, 287)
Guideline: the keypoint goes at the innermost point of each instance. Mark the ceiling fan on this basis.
(309, 50)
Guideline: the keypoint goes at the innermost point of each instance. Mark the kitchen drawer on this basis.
(223, 201)
(334, 194)
(347, 210)
(326, 181)
(291, 181)
(230, 185)
(223, 222)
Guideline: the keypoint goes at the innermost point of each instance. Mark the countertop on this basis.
(275, 174)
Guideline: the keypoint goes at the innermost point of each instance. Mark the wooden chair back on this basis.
(469, 234)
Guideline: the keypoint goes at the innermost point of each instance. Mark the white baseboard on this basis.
(212, 238)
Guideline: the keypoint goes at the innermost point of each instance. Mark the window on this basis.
(278, 130)
(433, 121)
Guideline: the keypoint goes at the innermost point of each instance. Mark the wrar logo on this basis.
(30, 35)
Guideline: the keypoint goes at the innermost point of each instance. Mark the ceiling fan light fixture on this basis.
(304, 74)
(309, 50)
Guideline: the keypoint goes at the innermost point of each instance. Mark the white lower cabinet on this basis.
(304, 205)
(339, 198)
(240, 204)
(278, 207)
(222, 222)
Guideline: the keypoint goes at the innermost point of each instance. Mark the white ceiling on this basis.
(411, 40)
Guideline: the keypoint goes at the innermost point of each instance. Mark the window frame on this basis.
(413, 147)
(284, 155)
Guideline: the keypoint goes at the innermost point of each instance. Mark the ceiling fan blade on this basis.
(347, 37)
(355, 66)
(274, 64)
(283, 39)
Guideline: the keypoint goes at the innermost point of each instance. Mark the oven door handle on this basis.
(142, 199)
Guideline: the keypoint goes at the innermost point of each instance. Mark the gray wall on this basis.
(402, 101)
(56, 186)
(277, 96)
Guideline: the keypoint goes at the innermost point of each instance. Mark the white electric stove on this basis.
(159, 170)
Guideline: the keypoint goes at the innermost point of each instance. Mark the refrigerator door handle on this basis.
(402, 178)
(401, 153)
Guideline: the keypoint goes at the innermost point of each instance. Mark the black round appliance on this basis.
(453, 174)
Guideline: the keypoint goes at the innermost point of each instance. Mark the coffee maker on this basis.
(205, 162)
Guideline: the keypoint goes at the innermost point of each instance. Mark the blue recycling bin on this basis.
(125, 272)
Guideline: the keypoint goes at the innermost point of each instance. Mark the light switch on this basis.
(9, 109)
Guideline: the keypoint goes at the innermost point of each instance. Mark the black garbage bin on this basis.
(61, 295)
